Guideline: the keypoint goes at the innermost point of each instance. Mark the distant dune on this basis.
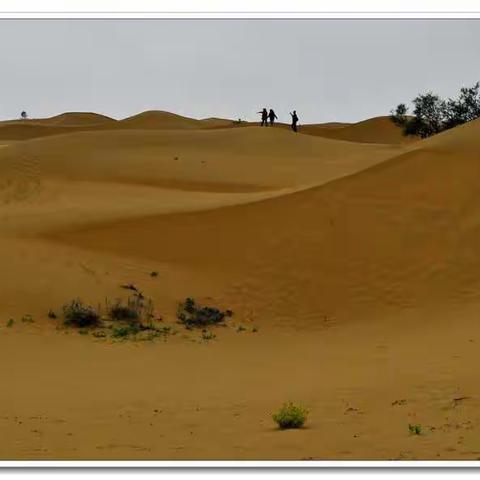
(77, 119)
(373, 130)
(155, 119)
(213, 122)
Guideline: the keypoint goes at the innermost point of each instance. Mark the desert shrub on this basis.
(399, 115)
(192, 315)
(52, 314)
(415, 429)
(77, 314)
(134, 318)
(10, 322)
(133, 310)
(429, 112)
(290, 416)
(465, 108)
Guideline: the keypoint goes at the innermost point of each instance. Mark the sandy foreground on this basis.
(349, 255)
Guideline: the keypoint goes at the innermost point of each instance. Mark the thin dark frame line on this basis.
(247, 11)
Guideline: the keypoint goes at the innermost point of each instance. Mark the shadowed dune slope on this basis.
(399, 232)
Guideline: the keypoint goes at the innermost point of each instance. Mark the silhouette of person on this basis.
(294, 120)
(264, 117)
(272, 117)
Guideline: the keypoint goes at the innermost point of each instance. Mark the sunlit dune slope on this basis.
(249, 159)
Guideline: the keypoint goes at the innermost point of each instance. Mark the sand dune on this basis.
(356, 259)
(222, 160)
(57, 125)
(214, 122)
(84, 121)
(155, 119)
(373, 130)
(77, 118)
(382, 235)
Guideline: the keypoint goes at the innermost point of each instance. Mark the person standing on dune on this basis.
(272, 117)
(294, 120)
(264, 117)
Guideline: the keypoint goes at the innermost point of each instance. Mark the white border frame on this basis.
(238, 9)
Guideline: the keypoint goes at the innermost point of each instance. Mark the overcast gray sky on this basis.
(327, 70)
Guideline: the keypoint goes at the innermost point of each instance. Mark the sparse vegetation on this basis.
(207, 336)
(125, 331)
(415, 429)
(432, 114)
(27, 319)
(131, 318)
(134, 318)
(130, 311)
(77, 314)
(154, 274)
(192, 315)
(133, 288)
(290, 416)
(10, 322)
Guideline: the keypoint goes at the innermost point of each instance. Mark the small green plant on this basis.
(123, 332)
(192, 315)
(290, 416)
(207, 336)
(414, 429)
(79, 315)
(10, 322)
(52, 314)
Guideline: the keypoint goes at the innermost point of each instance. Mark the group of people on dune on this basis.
(270, 116)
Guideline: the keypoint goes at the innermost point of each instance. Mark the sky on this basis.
(327, 70)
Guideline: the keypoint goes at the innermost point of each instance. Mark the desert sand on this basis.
(348, 253)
